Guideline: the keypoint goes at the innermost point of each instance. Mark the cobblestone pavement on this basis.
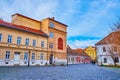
(71, 72)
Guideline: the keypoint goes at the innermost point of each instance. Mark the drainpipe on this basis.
(47, 50)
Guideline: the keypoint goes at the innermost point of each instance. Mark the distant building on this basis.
(29, 42)
(77, 56)
(91, 51)
(104, 49)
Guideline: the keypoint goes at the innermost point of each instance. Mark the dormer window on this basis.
(51, 24)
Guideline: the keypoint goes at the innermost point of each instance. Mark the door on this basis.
(17, 58)
(51, 59)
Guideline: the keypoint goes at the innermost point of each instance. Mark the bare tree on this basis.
(114, 40)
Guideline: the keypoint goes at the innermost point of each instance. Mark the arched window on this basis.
(60, 43)
(51, 24)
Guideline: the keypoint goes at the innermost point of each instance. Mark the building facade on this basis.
(77, 56)
(90, 50)
(29, 42)
(107, 53)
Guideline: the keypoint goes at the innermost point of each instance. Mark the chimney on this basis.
(53, 18)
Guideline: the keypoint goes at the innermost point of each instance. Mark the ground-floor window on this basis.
(72, 59)
(78, 59)
(41, 56)
(33, 56)
(116, 59)
(25, 56)
(7, 56)
(68, 59)
(105, 60)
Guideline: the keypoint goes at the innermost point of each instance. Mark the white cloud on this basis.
(45, 10)
(92, 19)
(81, 43)
(36, 9)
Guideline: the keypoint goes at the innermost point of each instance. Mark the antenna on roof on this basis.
(53, 16)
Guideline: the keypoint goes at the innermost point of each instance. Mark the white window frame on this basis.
(7, 55)
(51, 35)
(42, 44)
(104, 49)
(33, 56)
(105, 60)
(27, 42)
(41, 56)
(25, 56)
(52, 24)
(51, 45)
(9, 39)
(18, 40)
(34, 43)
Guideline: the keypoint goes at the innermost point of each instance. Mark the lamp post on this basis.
(101, 59)
(28, 58)
(51, 58)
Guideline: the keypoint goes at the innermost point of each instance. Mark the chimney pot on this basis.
(53, 18)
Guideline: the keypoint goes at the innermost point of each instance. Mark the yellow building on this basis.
(91, 52)
(26, 41)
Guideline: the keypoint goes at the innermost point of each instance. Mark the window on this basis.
(18, 40)
(41, 56)
(72, 59)
(68, 59)
(42, 44)
(34, 43)
(25, 56)
(27, 42)
(51, 35)
(33, 56)
(104, 49)
(0, 37)
(116, 59)
(51, 45)
(9, 39)
(7, 56)
(60, 43)
(51, 24)
(105, 60)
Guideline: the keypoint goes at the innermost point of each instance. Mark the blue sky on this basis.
(88, 20)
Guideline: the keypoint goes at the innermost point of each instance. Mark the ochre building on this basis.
(90, 50)
(29, 42)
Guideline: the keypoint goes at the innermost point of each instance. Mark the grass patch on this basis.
(111, 66)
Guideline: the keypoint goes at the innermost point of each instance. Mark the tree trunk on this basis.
(114, 62)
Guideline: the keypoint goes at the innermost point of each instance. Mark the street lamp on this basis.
(29, 59)
(101, 59)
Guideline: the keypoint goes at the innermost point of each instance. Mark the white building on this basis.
(106, 52)
(77, 56)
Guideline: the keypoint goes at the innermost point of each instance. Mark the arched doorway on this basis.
(51, 59)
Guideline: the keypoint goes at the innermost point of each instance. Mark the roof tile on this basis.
(22, 28)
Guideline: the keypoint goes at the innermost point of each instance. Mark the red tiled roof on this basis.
(79, 52)
(22, 28)
(111, 38)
